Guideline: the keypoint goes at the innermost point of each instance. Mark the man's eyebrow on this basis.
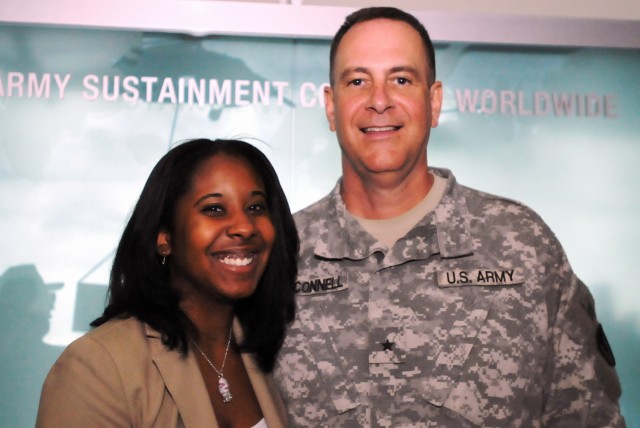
(405, 68)
(396, 69)
(350, 70)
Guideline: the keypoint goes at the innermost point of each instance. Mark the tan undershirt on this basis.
(389, 230)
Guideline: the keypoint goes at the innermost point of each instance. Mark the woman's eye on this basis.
(213, 210)
(258, 208)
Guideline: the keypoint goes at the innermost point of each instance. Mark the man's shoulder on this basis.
(492, 215)
(480, 202)
(314, 213)
(488, 205)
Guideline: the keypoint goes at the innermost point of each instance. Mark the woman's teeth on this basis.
(236, 260)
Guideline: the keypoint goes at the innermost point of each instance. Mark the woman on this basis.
(201, 291)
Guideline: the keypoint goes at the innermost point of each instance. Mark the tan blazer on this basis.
(121, 375)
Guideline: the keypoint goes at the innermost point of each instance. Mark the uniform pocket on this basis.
(494, 386)
(319, 360)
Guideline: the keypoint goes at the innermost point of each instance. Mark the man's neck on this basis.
(384, 196)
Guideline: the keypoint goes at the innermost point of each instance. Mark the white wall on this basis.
(606, 9)
(277, 19)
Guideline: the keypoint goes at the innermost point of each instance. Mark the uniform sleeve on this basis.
(584, 387)
(83, 388)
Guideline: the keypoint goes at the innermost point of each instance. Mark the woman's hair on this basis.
(140, 286)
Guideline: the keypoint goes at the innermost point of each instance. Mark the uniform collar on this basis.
(346, 239)
(452, 219)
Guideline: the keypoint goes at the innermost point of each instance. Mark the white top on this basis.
(260, 424)
(389, 230)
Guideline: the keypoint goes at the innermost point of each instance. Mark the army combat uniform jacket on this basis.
(473, 318)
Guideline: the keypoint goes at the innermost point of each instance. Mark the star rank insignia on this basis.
(387, 346)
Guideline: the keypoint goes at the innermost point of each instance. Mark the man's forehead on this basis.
(372, 40)
(378, 25)
(378, 29)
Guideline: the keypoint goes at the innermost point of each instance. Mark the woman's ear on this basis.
(163, 244)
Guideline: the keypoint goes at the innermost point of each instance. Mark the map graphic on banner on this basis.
(85, 115)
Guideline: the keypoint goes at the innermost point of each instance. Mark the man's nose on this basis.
(380, 98)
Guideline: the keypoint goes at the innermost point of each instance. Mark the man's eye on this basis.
(403, 80)
(355, 82)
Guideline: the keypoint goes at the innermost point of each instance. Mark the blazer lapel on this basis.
(267, 394)
(184, 382)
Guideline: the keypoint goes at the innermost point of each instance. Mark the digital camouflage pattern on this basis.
(474, 318)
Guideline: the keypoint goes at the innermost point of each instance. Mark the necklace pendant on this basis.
(223, 387)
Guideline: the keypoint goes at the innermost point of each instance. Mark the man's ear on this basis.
(163, 244)
(329, 107)
(435, 94)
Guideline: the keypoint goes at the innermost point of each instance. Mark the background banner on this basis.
(85, 114)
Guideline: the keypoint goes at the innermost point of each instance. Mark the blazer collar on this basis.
(184, 381)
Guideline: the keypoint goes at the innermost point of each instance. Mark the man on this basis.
(422, 302)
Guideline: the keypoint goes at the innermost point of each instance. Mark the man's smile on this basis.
(379, 129)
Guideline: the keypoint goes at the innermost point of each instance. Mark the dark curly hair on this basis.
(139, 285)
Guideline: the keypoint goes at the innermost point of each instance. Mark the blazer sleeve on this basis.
(83, 388)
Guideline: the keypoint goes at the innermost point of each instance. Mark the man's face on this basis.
(380, 104)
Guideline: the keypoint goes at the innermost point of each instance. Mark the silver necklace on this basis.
(223, 384)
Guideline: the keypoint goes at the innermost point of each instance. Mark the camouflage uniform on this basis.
(474, 318)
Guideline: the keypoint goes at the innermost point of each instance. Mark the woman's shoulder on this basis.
(118, 327)
(119, 336)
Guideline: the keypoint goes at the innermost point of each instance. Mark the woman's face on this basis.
(222, 234)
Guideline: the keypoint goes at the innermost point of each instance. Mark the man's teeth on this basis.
(379, 129)
(236, 260)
